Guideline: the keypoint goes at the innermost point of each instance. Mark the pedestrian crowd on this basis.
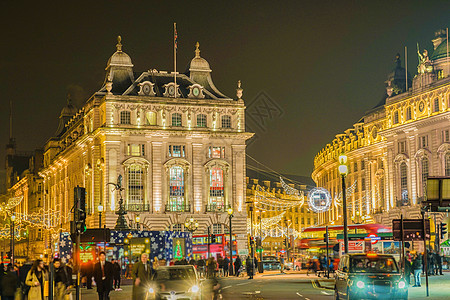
(414, 264)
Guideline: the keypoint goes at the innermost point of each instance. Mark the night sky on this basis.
(322, 64)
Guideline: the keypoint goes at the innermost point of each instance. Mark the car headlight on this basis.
(360, 284)
(195, 289)
(401, 284)
(151, 290)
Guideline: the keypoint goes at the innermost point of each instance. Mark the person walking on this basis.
(438, 260)
(211, 267)
(282, 264)
(249, 267)
(10, 283)
(237, 266)
(62, 279)
(116, 273)
(408, 269)
(23, 272)
(226, 265)
(37, 279)
(417, 267)
(103, 276)
(142, 273)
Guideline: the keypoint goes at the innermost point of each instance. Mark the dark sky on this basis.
(323, 63)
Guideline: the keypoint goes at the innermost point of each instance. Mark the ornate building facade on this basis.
(395, 146)
(176, 140)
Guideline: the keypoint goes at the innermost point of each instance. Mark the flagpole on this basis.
(175, 56)
(406, 69)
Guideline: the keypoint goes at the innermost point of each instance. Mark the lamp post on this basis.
(100, 210)
(230, 216)
(343, 170)
(191, 224)
(261, 269)
(13, 218)
(138, 220)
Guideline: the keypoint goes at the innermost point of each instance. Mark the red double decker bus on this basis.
(219, 247)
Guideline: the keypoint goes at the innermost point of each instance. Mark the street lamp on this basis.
(100, 210)
(343, 170)
(191, 224)
(13, 218)
(230, 216)
(137, 219)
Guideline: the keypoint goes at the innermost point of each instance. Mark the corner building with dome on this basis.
(394, 147)
(176, 140)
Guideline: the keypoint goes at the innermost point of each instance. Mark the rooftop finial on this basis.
(197, 50)
(119, 44)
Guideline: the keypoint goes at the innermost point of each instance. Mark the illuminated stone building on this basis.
(268, 198)
(179, 146)
(394, 147)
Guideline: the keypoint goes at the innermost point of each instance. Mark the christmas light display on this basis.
(319, 200)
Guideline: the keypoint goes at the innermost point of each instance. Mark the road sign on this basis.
(438, 193)
(412, 229)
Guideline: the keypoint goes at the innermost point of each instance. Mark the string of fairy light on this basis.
(48, 220)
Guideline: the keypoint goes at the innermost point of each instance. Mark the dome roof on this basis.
(119, 58)
(441, 51)
(198, 63)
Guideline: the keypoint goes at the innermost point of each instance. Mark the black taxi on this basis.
(369, 276)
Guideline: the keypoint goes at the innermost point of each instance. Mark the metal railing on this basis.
(217, 207)
(178, 207)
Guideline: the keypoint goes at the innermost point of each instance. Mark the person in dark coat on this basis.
(142, 274)
(249, 267)
(438, 261)
(408, 269)
(10, 283)
(23, 272)
(237, 266)
(117, 270)
(417, 267)
(103, 276)
(62, 279)
(226, 265)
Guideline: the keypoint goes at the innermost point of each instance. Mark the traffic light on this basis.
(80, 211)
(325, 237)
(258, 242)
(443, 230)
(252, 241)
(213, 238)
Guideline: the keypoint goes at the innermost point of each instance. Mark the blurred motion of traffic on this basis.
(159, 180)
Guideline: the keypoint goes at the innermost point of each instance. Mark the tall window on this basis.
(136, 149)
(177, 151)
(217, 228)
(216, 152)
(447, 164)
(176, 120)
(135, 185)
(176, 189)
(446, 136)
(402, 147)
(216, 189)
(150, 118)
(125, 117)
(436, 105)
(423, 141)
(363, 184)
(226, 121)
(201, 120)
(396, 117)
(363, 165)
(424, 172)
(177, 227)
(355, 167)
(403, 181)
(408, 113)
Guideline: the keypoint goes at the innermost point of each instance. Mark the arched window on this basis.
(436, 105)
(447, 164)
(201, 121)
(403, 181)
(216, 190)
(226, 121)
(135, 184)
(176, 189)
(125, 117)
(176, 120)
(408, 113)
(396, 117)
